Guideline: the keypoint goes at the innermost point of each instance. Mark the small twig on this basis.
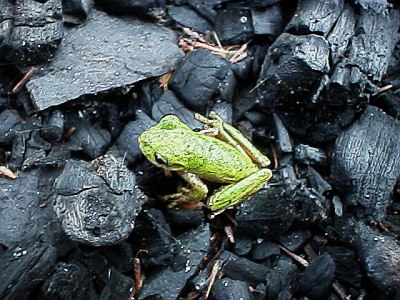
(339, 290)
(7, 172)
(383, 89)
(18, 87)
(297, 258)
(229, 233)
(214, 272)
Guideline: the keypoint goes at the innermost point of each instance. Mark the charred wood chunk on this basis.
(228, 289)
(97, 203)
(35, 31)
(264, 249)
(53, 126)
(198, 77)
(77, 10)
(131, 6)
(308, 155)
(268, 21)
(366, 162)
(8, 126)
(187, 17)
(314, 16)
(282, 279)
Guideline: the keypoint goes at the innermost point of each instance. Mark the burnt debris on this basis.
(314, 85)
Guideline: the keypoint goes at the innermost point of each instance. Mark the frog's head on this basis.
(159, 143)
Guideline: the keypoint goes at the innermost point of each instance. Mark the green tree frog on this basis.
(218, 153)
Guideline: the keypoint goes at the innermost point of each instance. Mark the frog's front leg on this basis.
(196, 193)
(231, 135)
(236, 193)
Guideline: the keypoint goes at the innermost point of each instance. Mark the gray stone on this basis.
(107, 53)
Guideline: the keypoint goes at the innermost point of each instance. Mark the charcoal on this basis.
(22, 268)
(366, 162)
(224, 110)
(198, 77)
(256, 118)
(243, 244)
(229, 289)
(68, 281)
(316, 280)
(317, 182)
(76, 10)
(295, 239)
(53, 126)
(120, 256)
(341, 34)
(131, 6)
(268, 21)
(234, 25)
(184, 217)
(347, 266)
(87, 138)
(168, 283)
(128, 49)
(264, 3)
(118, 286)
(153, 234)
(189, 18)
(170, 104)
(127, 142)
(389, 102)
(312, 16)
(8, 123)
(243, 102)
(149, 93)
(264, 249)
(378, 6)
(308, 155)
(281, 280)
(97, 202)
(283, 142)
(380, 257)
(227, 87)
(240, 268)
(33, 32)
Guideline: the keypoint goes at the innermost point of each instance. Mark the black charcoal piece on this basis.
(119, 54)
(366, 162)
(168, 104)
(313, 16)
(317, 182)
(8, 126)
(187, 17)
(316, 280)
(341, 34)
(379, 254)
(97, 202)
(130, 6)
(53, 126)
(79, 10)
(240, 268)
(378, 6)
(268, 21)
(33, 33)
(127, 143)
(153, 234)
(263, 249)
(308, 155)
(283, 141)
(88, 138)
(198, 77)
(192, 247)
(23, 268)
(234, 26)
(185, 217)
(295, 239)
(68, 281)
(224, 110)
(243, 244)
(228, 289)
(281, 280)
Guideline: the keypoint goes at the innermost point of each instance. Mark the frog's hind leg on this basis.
(231, 135)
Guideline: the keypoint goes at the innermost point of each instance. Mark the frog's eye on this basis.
(160, 160)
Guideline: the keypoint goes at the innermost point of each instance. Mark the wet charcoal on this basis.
(240, 268)
(97, 202)
(76, 11)
(243, 244)
(53, 126)
(187, 17)
(120, 256)
(198, 78)
(379, 254)
(268, 21)
(341, 34)
(23, 268)
(227, 87)
(317, 182)
(167, 104)
(366, 162)
(229, 289)
(118, 286)
(68, 281)
(316, 280)
(88, 138)
(283, 141)
(127, 142)
(308, 155)
(153, 235)
(168, 282)
(347, 266)
(185, 217)
(389, 102)
(313, 16)
(233, 25)
(264, 249)
(281, 280)
(224, 110)
(34, 33)
(131, 6)
(74, 71)
(8, 126)
(295, 239)
(378, 6)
